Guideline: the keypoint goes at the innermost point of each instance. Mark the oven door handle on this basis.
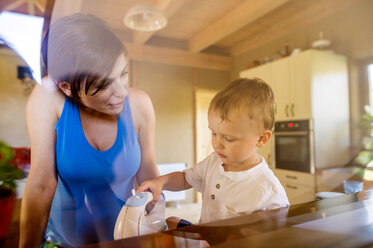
(295, 133)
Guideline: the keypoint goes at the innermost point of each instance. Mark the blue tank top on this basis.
(92, 185)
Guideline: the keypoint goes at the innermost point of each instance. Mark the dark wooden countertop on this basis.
(344, 221)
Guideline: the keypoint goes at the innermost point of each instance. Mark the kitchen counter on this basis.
(331, 179)
(343, 221)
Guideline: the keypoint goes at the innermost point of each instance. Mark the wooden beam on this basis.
(236, 19)
(26, 6)
(169, 8)
(312, 14)
(178, 57)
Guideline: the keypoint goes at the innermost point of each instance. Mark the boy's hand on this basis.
(155, 186)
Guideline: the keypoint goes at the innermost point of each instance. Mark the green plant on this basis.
(366, 122)
(365, 156)
(8, 173)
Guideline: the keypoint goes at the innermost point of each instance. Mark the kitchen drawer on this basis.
(306, 179)
(298, 193)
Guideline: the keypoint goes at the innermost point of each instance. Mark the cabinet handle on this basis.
(292, 109)
(291, 186)
(291, 177)
(287, 110)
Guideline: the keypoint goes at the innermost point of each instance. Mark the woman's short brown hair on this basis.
(254, 96)
(81, 48)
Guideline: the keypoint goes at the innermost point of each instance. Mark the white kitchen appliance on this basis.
(133, 220)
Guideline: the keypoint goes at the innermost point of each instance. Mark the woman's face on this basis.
(110, 99)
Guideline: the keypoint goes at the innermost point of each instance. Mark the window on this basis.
(368, 175)
(23, 33)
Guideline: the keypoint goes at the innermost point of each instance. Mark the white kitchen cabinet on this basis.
(302, 73)
(295, 81)
(299, 186)
(298, 193)
(311, 85)
(281, 87)
(291, 78)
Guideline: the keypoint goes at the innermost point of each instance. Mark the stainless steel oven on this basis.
(294, 146)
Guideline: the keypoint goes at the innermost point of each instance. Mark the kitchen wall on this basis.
(350, 32)
(171, 90)
(212, 79)
(12, 101)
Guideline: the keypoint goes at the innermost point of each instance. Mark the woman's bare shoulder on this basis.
(139, 99)
(46, 98)
(141, 106)
(137, 94)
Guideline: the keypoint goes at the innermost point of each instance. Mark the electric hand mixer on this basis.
(133, 220)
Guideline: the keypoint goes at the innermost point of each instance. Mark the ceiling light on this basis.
(145, 17)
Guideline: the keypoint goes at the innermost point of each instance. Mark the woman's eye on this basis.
(102, 86)
(229, 139)
(213, 134)
(97, 88)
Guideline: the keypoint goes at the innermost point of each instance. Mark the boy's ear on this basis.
(65, 87)
(264, 138)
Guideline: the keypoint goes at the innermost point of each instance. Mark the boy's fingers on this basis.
(142, 188)
(156, 196)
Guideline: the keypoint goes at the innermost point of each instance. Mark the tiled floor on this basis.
(188, 211)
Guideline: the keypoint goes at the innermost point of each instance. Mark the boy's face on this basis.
(235, 140)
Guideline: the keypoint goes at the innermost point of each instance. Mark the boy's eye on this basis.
(124, 73)
(229, 139)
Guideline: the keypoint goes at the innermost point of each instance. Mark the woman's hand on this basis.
(155, 186)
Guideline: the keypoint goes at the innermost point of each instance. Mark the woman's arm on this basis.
(144, 120)
(41, 118)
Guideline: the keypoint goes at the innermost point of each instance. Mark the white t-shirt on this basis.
(227, 194)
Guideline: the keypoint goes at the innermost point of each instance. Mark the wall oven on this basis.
(294, 146)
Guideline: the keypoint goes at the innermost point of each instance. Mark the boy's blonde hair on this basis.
(253, 96)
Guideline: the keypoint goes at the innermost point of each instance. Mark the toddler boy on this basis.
(234, 180)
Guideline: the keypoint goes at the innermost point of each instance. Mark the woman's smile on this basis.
(116, 105)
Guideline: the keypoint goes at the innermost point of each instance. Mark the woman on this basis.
(90, 137)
